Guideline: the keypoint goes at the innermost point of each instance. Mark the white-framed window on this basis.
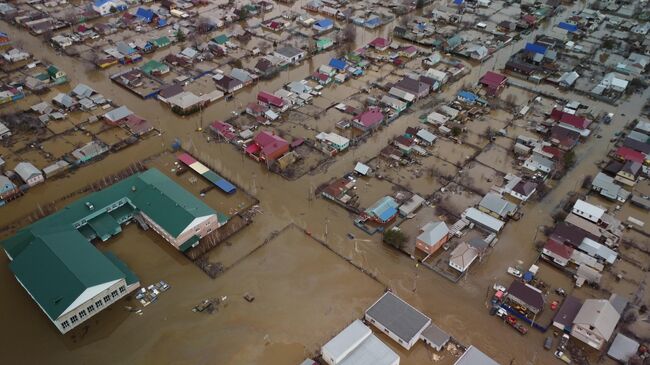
(65, 324)
(122, 289)
(91, 308)
(98, 304)
(74, 319)
(82, 313)
(107, 298)
(114, 293)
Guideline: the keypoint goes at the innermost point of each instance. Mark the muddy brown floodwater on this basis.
(304, 292)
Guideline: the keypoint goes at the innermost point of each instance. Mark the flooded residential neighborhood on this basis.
(457, 182)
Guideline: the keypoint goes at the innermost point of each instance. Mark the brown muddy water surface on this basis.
(304, 292)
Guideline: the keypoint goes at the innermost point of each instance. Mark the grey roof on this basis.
(600, 314)
(474, 356)
(623, 348)
(433, 232)
(288, 51)
(241, 75)
(118, 114)
(64, 100)
(426, 135)
(398, 317)
(608, 187)
(26, 170)
(495, 203)
(435, 335)
(411, 205)
(83, 91)
(619, 302)
(371, 352)
(640, 201)
(597, 250)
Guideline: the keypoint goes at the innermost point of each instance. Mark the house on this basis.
(226, 83)
(266, 98)
(557, 252)
(538, 161)
(380, 44)
(154, 67)
(137, 126)
(117, 115)
(145, 15)
(29, 173)
(629, 173)
(483, 220)
(588, 211)
(426, 138)
(605, 185)
(526, 295)
(323, 25)
(412, 86)
(598, 251)
(612, 81)
(564, 138)
(523, 190)
(568, 79)
(495, 205)
(106, 7)
(383, 210)
(54, 257)
(570, 234)
(370, 119)
(474, 356)
(595, 322)
(567, 313)
(462, 256)
(623, 349)
(64, 101)
(161, 42)
(288, 54)
(55, 74)
(356, 344)
(435, 337)
(627, 154)
(432, 236)
(323, 43)
(6, 186)
(410, 205)
(397, 319)
(268, 146)
(493, 82)
(333, 140)
(394, 103)
(437, 119)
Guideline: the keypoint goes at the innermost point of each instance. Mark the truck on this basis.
(512, 321)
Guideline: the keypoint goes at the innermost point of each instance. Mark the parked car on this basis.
(548, 343)
(562, 356)
(499, 287)
(514, 272)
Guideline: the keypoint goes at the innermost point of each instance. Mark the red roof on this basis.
(556, 152)
(493, 79)
(629, 154)
(371, 117)
(270, 143)
(570, 119)
(379, 42)
(559, 249)
(137, 125)
(186, 159)
(224, 129)
(269, 98)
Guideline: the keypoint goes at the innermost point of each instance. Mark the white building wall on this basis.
(394, 337)
(587, 336)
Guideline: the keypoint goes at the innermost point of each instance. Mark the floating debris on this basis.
(249, 298)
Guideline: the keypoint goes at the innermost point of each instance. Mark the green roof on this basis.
(56, 262)
(52, 70)
(161, 42)
(152, 66)
(220, 39)
(129, 276)
(56, 268)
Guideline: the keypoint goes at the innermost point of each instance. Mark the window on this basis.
(122, 289)
(91, 308)
(114, 293)
(82, 313)
(73, 319)
(65, 324)
(98, 304)
(107, 298)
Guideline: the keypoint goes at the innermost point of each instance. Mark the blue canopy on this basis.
(324, 23)
(458, 2)
(337, 64)
(569, 27)
(467, 95)
(535, 48)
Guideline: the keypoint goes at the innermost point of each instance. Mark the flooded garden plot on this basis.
(422, 178)
(479, 177)
(370, 190)
(60, 126)
(113, 136)
(498, 158)
(452, 152)
(455, 199)
(57, 147)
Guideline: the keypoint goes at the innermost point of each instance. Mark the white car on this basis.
(499, 287)
(514, 272)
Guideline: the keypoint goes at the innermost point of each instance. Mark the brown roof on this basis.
(526, 294)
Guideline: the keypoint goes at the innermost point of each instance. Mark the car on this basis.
(562, 356)
(561, 292)
(548, 343)
(564, 340)
(514, 272)
(501, 313)
(499, 287)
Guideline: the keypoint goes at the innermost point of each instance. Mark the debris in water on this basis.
(249, 298)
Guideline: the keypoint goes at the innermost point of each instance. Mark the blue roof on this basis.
(101, 2)
(162, 22)
(458, 2)
(467, 95)
(146, 14)
(324, 23)
(387, 214)
(384, 209)
(337, 64)
(226, 186)
(570, 27)
(535, 48)
(374, 21)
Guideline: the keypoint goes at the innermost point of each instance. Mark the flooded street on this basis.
(305, 293)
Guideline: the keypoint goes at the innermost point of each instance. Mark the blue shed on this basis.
(337, 64)
(145, 14)
(535, 48)
(571, 28)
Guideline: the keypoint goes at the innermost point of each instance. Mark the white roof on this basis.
(426, 135)
(362, 168)
(371, 352)
(26, 170)
(597, 250)
(600, 314)
(332, 138)
(484, 219)
(474, 356)
(590, 209)
(346, 341)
